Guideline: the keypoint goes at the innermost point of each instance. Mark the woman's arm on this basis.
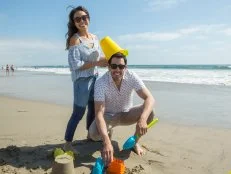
(74, 58)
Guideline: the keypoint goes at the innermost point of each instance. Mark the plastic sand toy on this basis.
(130, 143)
(99, 166)
(116, 167)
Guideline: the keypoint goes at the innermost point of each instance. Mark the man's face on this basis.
(117, 68)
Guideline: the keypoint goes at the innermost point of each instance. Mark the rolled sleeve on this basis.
(74, 58)
(137, 82)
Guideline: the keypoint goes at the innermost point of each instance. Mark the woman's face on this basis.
(81, 20)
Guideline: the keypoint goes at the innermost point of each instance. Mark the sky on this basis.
(154, 31)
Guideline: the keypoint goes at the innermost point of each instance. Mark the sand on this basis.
(30, 131)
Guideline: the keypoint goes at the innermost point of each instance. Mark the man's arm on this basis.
(107, 152)
(149, 101)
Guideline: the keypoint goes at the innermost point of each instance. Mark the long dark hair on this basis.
(71, 24)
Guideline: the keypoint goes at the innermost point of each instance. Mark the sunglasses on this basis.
(78, 19)
(114, 66)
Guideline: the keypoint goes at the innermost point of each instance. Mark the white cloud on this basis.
(30, 52)
(201, 37)
(188, 45)
(142, 47)
(202, 29)
(30, 44)
(189, 30)
(163, 4)
(200, 32)
(227, 31)
(150, 36)
(192, 48)
(218, 42)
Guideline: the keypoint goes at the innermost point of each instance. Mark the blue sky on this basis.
(154, 31)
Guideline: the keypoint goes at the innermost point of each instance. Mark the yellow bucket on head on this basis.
(110, 47)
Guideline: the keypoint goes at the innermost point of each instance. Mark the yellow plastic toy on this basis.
(110, 47)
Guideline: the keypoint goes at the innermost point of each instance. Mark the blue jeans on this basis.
(83, 97)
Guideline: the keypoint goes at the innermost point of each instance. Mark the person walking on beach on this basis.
(2, 69)
(7, 70)
(12, 69)
(84, 56)
(113, 104)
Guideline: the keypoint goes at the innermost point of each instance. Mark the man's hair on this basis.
(118, 55)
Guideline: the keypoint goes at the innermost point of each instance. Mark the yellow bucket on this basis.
(109, 47)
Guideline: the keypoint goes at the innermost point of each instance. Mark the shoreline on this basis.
(191, 104)
(69, 108)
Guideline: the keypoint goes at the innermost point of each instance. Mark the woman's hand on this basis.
(102, 62)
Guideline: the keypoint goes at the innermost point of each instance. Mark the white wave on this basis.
(47, 70)
(208, 77)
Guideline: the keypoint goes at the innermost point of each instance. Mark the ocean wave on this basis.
(196, 67)
(189, 76)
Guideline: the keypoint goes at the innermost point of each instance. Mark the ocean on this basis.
(187, 94)
(190, 74)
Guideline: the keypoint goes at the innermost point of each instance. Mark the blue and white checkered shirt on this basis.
(79, 54)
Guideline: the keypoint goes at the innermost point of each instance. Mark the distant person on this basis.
(83, 58)
(3, 69)
(7, 70)
(12, 69)
(113, 104)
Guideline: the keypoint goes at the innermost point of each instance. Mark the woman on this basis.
(7, 70)
(83, 58)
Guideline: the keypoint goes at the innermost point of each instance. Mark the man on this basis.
(113, 104)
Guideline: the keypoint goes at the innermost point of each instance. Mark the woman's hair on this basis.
(118, 55)
(71, 24)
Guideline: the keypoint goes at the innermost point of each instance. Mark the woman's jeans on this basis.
(83, 97)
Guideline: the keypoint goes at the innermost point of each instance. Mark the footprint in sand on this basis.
(136, 169)
(152, 151)
(22, 111)
(159, 163)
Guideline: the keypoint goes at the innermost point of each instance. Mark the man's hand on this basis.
(107, 153)
(141, 127)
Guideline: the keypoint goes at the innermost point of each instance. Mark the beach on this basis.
(192, 135)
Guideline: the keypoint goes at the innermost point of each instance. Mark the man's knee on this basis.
(151, 117)
(95, 137)
(94, 133)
